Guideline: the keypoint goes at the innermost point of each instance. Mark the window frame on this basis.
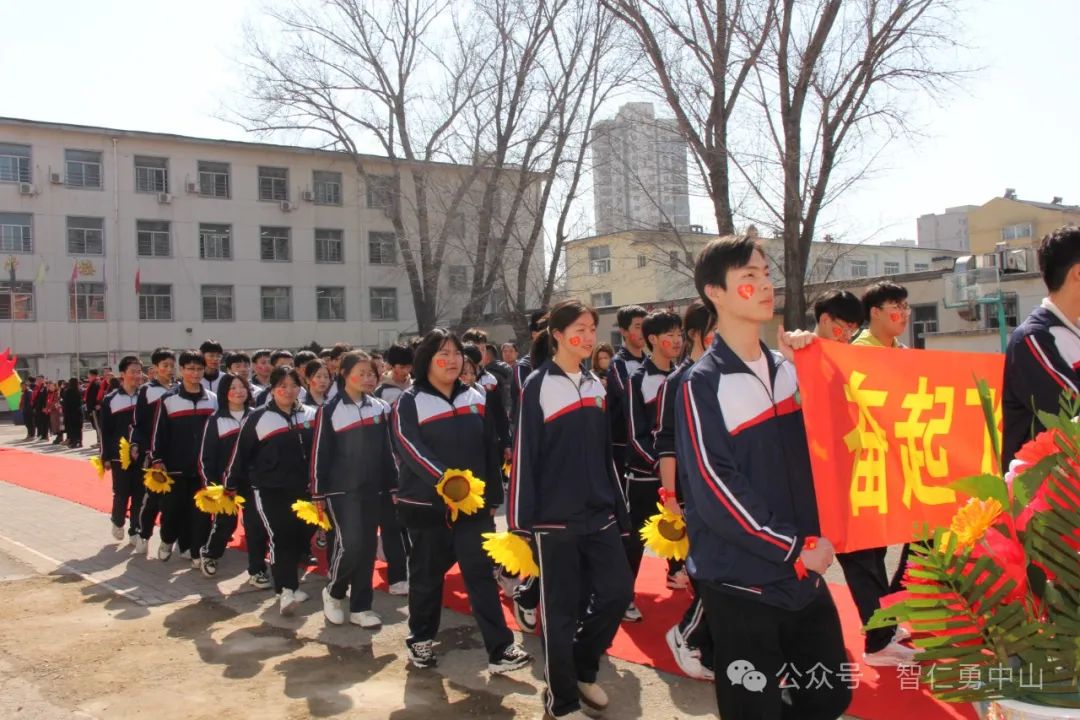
(211, 175)
(24, 165)
(325, 182)
(77, 292)
(164, 170)
(203, 234)
(390, 237)
(864, 265)
(23, 289)
(379, 198)
(68, 230)
(393, 291)
(263, 298)
(217, 298)
(321, 258)
(156, 297)
(276, 183)
(599, 264)
(279, 242)
(154, 237)
(321, 294)
(594, 302)
(27, 239)
(886, 264)
(84, 163)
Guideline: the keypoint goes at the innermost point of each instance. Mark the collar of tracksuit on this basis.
(194, 397)
(732, 363)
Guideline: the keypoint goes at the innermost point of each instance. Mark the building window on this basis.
(1018, 231)
(599, 260)
(82, 363)
(273, 183)
(455, 226)
(217, 302)
(213, 179)
(459, 277)
(642, 261)
(276, 302)
(86, 301)
(215, 242)
(673, 259)
(151, 174)
(924, 320)
(83, 168)
(1011, 313)
(153, 238)
(327, 187)
(922, 267)
(384, 303)
(380, 191)
(17, 305)
(155, 302)
(499, 301)
(85, 236)
(274, 244)
(329, 246)
(16, 233)
(892, 267)
(860, 269)
(382, 248)
(601, 299)
(14, 163)
(330, 303)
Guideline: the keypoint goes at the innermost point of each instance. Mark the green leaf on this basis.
(987, 402)
(983, 487)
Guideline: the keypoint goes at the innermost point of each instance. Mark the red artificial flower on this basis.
(1007, 554)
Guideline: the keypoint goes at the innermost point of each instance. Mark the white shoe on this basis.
(117, 532)
(632, 614)
(333, 608)
(186, 554)
(300, 596)
(687, 658)
(593, 695)
(401, 587)
(260, 580)
(366, 619)
(287, 602)
(507, 583)
(140, 545)
(892, 655)
(164, 551)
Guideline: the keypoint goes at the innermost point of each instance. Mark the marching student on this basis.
(318, 383)
(509, 353)
(353, 468)
(273, 456)
(524, 366)
(219, 439)
(628, 358)
(280, 358)
(239, 364)
(175, 439)
(162, 379)
(501, 372)
(90, 401)
(333, 366)
(440, 424)
(212, 353)
(400, 358)
(73, 413)
(744, 463)
(261, 369)
(839, 315)
(26, 405)
(117, 417)
(493, 404)
(887, 311)
(689, 640)
(565, 495)
(39, 401)
(662, 330)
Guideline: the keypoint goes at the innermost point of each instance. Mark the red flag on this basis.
(138, 281)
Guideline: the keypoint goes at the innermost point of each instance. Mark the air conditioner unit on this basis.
(27, 189)
(193, 188)
(56, 178)
(308, 196)
(164, 198)
(286, 206)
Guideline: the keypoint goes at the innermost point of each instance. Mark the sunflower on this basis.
(512, 552)
(99, 466)
(209, 498)
(157, 481)
(665, 535)
(506, 469)
(462, 492)
(311, 513)
(125, 454)
(973, 520)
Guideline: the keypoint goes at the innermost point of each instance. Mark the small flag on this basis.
(138, 280)
(42, 269)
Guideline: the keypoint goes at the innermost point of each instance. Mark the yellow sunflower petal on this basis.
(512, 552)
(210, 499)
(157, 481)
(231, 504)
(99, 466)
(462, 492)
(973, 519)
(665, 534)
(310, 513)
(125, 454)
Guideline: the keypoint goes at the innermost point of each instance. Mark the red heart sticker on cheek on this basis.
(895, 316)
(837, 333)
(745, 291)
(440, 363)
(575, 341)
(666, 344)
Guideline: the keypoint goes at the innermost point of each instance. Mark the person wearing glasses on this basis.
(887, 310)
(839, 315)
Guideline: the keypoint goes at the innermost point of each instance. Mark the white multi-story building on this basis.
(639, 172)
(255, 245)
(947, 231)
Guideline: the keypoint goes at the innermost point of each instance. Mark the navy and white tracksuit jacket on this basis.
(490, 384)
(178, 428)
(623, 366)
(352, 447)
(148, 395)
(432, 433)
(1042, 361)
(219, 439)
(641, 413)
(273, 450)
(744, 466)
(117, 416)
(519, 374)
(664, 428)
(563, 475)
(389, 392)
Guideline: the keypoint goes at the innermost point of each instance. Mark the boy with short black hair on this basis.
(239, 364)
(162, 380)
(838, 314)
(628, 358)
(886, 309)
(117, 417)
(744, 467)
(212, 353)
(261, 367)
(279, 358)
(400, 358)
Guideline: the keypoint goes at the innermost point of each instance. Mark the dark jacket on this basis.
(219, 439)
(521, 371)
(148, 396)
(490, 385)
(177, 432)
(563, 475)
(117, 416)
(641, 413)
(352, 447)
(744, 466)
(623, 365)
(273, 451)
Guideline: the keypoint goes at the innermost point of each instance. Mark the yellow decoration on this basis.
(311, 513)
(157, 481)
(512, 552)
(461, 491)
(973, 520)
(665, 534)
(125, 454)
(99, 466)
(506, 468)
(213, 500)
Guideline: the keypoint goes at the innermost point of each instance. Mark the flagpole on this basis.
(78, 335)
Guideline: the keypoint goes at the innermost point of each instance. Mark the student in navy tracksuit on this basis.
(441, 424)
(219, 439)
(490, 384)
(565, 495)
(689, 640)
(273, 456)
(400, 360)
(174, 447)
(628, 358)
(162, 373)
(663, 336)
(316, 394)
(524, 366)
(117, 415)
(212, 352)
(744, 466)
(353, 468)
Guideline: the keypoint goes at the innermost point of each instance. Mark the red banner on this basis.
(888, 431)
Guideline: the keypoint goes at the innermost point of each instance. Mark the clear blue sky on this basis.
(169, 67)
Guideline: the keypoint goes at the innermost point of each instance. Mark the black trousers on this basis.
(28, 421)
(773, 641)
(41, 421)
(435, 549)
(222, 528)
(393, 540)
(127, 500)
(642, 495)
(694, 627)
(868, 581)
(353, 542)
(149, 511)
(289, 536)
(73, 428)
(181, 521)
(573, 566)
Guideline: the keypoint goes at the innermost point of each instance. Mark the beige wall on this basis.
(986, 222)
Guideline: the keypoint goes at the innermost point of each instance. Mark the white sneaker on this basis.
(164, 551)
(117, 532)
(507, 583)
(401, 587)
(593, 695)
(892, 655)
(333, 608)
(140, 545)
(260, 580)
(287, 602)
(186, 554)
(366, 619)
(300, 596)
(687, 658)
(632, 614)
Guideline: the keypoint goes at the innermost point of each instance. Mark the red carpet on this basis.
(881, 693)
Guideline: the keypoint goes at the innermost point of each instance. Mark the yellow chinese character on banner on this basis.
(868, 442)
(918, 452)
(971, 397)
